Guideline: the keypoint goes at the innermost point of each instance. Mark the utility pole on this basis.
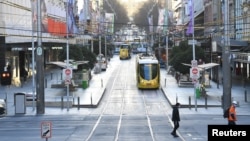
(40, 64)
(226, 99)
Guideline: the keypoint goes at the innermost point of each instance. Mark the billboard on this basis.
(53, 15)
(109, 22)
(160, 17)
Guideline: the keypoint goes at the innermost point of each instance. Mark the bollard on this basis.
(91, 99)
(176, 99)
(189, 101)
(101, 83)
(165, 82)
(62, 102)
(222, 101)
(46, 82)
(206, 102)
(245, 95)
(51, 76)
(78, 102)
(61, 76)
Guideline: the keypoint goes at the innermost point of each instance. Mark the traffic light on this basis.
(5, 78)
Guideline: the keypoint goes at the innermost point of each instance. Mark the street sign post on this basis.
(46, 129)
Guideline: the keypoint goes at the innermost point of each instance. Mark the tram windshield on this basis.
(148, 71)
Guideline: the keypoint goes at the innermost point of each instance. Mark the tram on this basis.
(125, 51)
(147, 72)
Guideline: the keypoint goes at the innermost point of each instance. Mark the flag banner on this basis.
(190, 29)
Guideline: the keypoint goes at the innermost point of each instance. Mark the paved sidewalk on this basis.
(186, 96)
(88, 97)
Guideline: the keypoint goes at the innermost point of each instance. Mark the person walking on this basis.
(232, 114)
(175, 119)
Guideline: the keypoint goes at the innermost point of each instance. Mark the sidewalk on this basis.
(186, 96)
(89, 97)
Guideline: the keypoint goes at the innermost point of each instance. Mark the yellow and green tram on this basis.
(147, 72)
(125, 51)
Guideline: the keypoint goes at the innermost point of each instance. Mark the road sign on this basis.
(67, 81)
(39, 51)
(67, 71)
(191, 42)
(46, 129)
(194, 73)
(194, 63)
(67, 75)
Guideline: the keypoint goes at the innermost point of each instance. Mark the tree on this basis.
(79, 53)
(184, 54)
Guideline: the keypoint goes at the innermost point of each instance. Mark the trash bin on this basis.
(84, 84)
(20, 105)
(198, 93)
(85, 79)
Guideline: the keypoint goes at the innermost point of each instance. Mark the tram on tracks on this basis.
(125, 51)
(147, 71)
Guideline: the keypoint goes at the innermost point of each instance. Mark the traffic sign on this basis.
(191, 42)
(194, 73)
(194, 63)
(67, 71)
(46, 129)
(67, 81)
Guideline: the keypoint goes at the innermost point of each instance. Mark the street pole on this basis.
(99, 36)
(226, 60)
(40, 67)
(33, 65)
(193, 46)
(166, 32)
(67, 51)
(182, 18)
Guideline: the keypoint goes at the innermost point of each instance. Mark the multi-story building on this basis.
(212, 31)
(19, 31)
